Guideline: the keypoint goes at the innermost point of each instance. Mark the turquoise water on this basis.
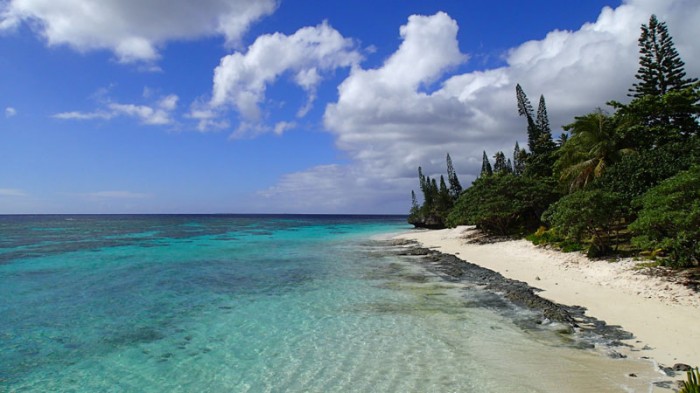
(257, 304)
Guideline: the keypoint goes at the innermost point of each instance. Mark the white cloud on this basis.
(10, 112)
(330, 189)
(133, 30)
(12, 192)
(390, 120)
(283, 126)
(241, 79)
(159, 113)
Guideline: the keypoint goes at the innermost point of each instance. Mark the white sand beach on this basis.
(664, 316)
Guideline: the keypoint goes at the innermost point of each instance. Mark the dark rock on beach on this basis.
(591, 330)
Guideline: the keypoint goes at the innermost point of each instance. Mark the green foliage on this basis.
(670, 219)
(455, 186)
(500, 166)
(586, 214)
(504, 205)
(444, 199)
(606, 162)
(437, 200)
(594, 146)
(539, 137)
(545, 236)
(415, 208)
(519, 159)
(636, 173)
(692, 385)
(651, 121)
(485, 166)
(660, 66)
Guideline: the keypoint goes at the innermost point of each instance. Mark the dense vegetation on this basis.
(628, 180)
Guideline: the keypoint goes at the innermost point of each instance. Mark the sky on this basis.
(292, 106)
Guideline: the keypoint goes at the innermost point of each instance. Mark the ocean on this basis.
(239, 303)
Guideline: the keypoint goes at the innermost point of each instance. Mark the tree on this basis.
(539, 136)
(444, 199)
(586, 213)
(429, 192)
(453, 180)
(665, 105)
(545, 144)
(562, 139)
(651, 121)
(525, 109)
(635, 174)
(503, 205)
(485, 166)
(661, 69)
(499, 163)
(519, 159)
(415, 208)
(594, 145)
(670, 219)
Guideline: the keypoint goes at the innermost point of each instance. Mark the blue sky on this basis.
(263, 106)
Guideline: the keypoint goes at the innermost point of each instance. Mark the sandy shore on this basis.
(663, 316)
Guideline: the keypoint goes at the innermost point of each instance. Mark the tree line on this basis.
(621, 181)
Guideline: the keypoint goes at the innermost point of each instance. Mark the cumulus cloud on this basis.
(10, 112)
(160, 113)
(241, 79)
(133, 30)
(392, 119)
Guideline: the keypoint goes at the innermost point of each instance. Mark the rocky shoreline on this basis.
(584, 331)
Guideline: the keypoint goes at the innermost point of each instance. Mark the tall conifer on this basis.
(525, 109)
(499, 164)
(545, 144)
(486, 166)
(519, 159)
(660, 67)
(455, 186)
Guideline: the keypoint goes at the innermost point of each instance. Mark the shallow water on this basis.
(261, 304)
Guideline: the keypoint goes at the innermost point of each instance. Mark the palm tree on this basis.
(592, 146)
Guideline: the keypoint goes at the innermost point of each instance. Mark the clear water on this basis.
(258, 304)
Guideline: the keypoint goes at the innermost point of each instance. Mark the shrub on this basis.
(504, 204)
(586, 214)
(669, 219)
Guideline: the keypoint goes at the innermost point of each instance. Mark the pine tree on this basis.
(444, 200)
(542, 119)
(519, 159)
(429, 195)
(509, 166)
(485, 166)
(415, 208)
(545, 144)
(660, 67)
(525, 109)
(421, 181)
(455, 186)
(499, 164)
(434, 195)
